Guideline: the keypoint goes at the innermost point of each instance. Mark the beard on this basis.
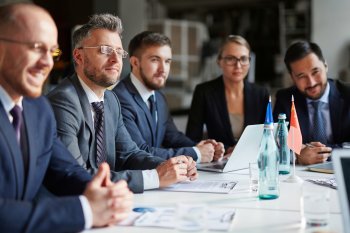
(319, 95)
(148, 82)
(101, 80)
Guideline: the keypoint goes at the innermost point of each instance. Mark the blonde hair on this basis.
(233, 39)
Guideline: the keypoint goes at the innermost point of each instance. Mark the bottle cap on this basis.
(282, 116)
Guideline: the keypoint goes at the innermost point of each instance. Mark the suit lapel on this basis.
(86, 108)
(336, 104)
(16, 154)
(139, 101)
(109, 130)
(29, 113)
(221, 103)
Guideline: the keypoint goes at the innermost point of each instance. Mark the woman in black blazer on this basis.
(228, 103)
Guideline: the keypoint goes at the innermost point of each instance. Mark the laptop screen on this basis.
(341, 163)
(345, 163)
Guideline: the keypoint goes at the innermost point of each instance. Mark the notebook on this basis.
(341, 160)
(322, 167)
(246, 151)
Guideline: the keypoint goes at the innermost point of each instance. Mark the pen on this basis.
(309, 145)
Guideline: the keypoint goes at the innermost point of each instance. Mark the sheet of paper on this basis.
(214, 186)
(218, 219)
(328, 182)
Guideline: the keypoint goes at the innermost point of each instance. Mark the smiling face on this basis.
(24, 69)
(310, 76)
(152, 66)
(234, 72)
(97, 69)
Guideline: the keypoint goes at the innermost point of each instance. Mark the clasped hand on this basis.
(176, 169)
(110, 202)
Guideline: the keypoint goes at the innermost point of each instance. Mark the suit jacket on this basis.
(164, 139)
(209, 108)
(75, 128)
(339, 107)
(49, 162)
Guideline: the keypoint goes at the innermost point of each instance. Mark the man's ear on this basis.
(326, 66)
(134, 61)
(77, 56)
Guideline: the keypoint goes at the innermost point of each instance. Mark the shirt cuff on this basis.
(150, 179)
(87, 211)
(199, 155)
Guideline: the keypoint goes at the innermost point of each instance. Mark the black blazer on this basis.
(339, 106)
(164, 139)
(209, 108)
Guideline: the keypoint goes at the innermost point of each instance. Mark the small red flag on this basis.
(295, 139)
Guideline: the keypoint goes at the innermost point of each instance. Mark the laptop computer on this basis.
(246, 151)
(341, 162)
(326, 167)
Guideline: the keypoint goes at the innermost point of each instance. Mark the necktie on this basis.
(99, 132)
(319, 131)
(153, 108)
(16, 113)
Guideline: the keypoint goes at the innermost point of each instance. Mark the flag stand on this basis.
(293, 178)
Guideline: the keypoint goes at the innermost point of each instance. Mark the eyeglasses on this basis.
(108, 50)
(232, 60)
(38, 47)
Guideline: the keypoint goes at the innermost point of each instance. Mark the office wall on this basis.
(331, 30)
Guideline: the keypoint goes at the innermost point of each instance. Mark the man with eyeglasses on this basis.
(89, 119)
(31, 155)
(322, 104)
(225, 105)
(144, 108)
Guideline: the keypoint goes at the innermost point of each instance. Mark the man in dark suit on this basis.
(319, 102)
(30, 153)
(150, 59)
(98, 54)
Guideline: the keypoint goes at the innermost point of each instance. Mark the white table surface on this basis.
(252, 214)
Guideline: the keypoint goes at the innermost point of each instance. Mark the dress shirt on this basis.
(150, 177)
(8, 104)
(145, 94)
(325, 112)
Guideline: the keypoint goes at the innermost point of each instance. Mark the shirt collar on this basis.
(92, 97)
(7, 102)
(141, 88)
(324, 97)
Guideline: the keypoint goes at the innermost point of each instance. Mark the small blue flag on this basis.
(269, 118)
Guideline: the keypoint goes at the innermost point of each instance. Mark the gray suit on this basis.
(75, 129)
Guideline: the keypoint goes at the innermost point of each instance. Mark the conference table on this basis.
(252, 215)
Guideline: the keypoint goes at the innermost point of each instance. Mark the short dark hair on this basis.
(147, 39)
(97, 21)
(301, 49)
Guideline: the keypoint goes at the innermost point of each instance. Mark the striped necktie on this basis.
(319, 128)
(99, 132)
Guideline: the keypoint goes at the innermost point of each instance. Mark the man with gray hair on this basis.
(89, 119)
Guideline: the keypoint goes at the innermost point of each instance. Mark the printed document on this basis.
(213, 186)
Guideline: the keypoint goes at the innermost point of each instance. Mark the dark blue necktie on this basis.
(16, 113)
(319, 127)
(99, 132)
(153, 108)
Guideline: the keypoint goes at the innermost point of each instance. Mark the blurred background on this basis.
(196, 27)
